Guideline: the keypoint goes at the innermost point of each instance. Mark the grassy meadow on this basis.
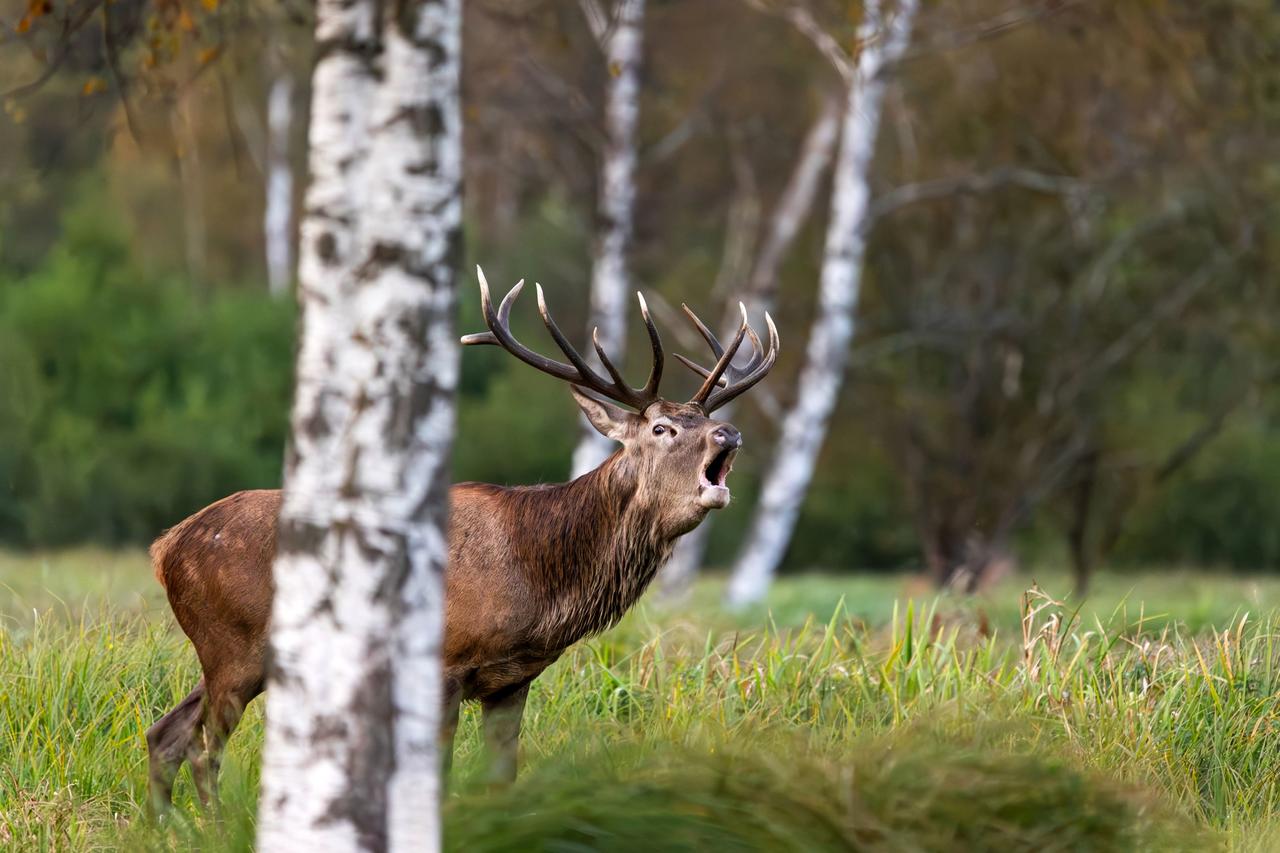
(853, 712)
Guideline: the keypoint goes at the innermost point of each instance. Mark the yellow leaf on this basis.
(209, 5)
(615, 69)
(15, 110)
(24, 24)
(185, 22)
(209, 54)
(93, 85)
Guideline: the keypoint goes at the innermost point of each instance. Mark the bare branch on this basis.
(795, 203)
(742, 224)
(112, 53)
(803, 21)
(672, 319)
(1206, 432)
(70, 27)
(597, 20)
(1140, 332)
(994, 27)
(998, 178)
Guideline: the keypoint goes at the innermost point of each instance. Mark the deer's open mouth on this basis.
(712, 491)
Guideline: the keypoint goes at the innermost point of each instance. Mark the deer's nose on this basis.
(727, 436)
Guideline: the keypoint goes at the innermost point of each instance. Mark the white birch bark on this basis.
(805, 426)
(277, 224)
(793, 208)
(354, 693)
(623, 46)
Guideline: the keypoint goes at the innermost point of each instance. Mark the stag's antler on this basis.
(577, 371)
(724, 382)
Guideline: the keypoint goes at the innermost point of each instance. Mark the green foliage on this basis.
(129, 401)
(1222, 511)
(855, 507)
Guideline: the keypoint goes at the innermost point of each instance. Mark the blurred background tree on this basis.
(1066, 345)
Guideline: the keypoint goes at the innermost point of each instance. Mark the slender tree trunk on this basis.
(805, 426)
(354, 698)
(277, 222)
(609, 278)
(795, 205)
(187, 153)
(790, 214)
(1078, 528)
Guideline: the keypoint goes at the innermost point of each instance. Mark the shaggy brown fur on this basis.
(532, 570)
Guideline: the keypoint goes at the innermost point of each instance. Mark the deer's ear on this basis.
(608, 419)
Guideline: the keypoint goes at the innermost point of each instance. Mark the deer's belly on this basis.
(500, 676)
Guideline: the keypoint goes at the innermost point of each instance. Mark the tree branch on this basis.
(998, 178)
(70, 27)
(804, 23)
(597, 20)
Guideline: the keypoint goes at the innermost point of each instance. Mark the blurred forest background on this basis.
(1065, 346)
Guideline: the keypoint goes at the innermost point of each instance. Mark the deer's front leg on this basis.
(449, 722)
(502, 713)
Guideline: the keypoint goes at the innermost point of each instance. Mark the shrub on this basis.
(128, 401)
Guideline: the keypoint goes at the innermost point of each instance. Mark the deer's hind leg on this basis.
(172, 739)
(229, 695)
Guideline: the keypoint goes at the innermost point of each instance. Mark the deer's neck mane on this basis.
(595, 545)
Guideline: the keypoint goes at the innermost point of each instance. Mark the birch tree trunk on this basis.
(793, 208)
(354, 694)
(277, 222)
(805, 426)
(609, 278)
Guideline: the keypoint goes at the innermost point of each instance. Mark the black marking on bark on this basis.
(437, 55)
(429, 166)
(425, 120)
(313, 424)
(370, 758)
(327, 248)
(365, 51)
(298, 536)
(324, 214)
(384, 255)
(453, 257)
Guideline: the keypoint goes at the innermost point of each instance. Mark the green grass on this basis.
(1145, 717)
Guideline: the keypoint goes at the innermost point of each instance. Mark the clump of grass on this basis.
(889, 794)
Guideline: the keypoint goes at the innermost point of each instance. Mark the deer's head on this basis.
(678, 454)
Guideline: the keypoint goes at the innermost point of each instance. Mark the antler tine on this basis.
(731, 374)
(707, 336)
(500, 335)
(713, 378)
(485, 311)
(577, 372)
(589, 377)
(618, 382)
(697, 368)
(655, 344)
(722, 397)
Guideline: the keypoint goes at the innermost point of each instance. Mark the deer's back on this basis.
(215, 567)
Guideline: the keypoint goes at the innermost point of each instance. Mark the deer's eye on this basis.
(662, 429)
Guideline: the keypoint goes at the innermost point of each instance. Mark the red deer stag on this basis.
(532, 569)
